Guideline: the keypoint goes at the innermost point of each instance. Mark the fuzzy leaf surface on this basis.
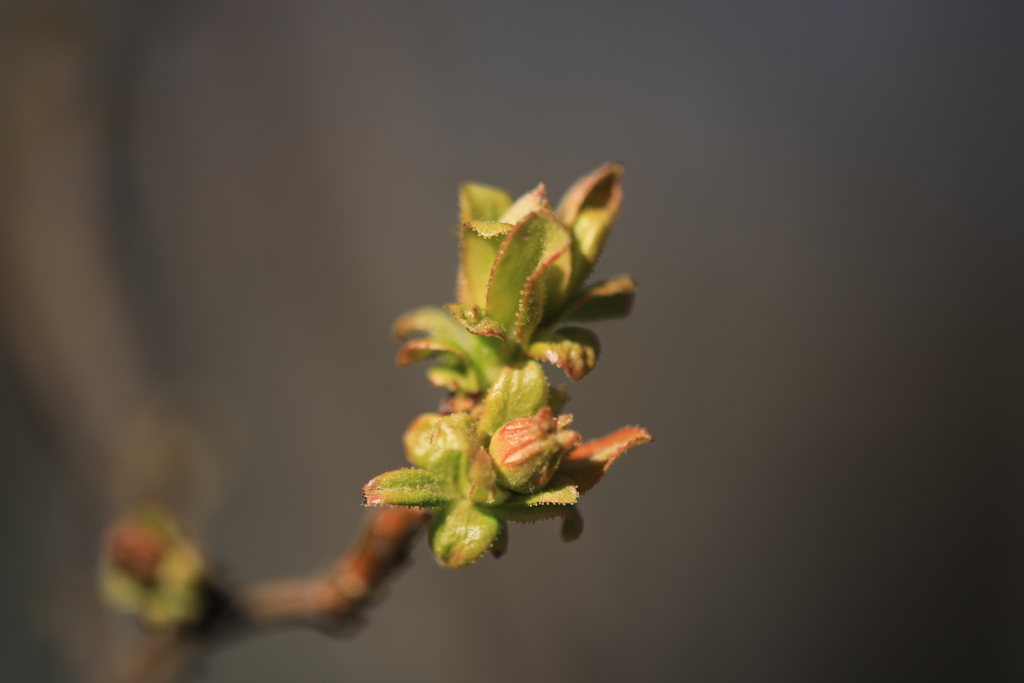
(461, 533)
(479, 205)
(534, 200)
(412, 487)
(588, 462)
(531, 267)
(590, 208)
(479, 244)
(519, 391)
(479, 202)
(473, 320)
(469, 363)
(573, 349)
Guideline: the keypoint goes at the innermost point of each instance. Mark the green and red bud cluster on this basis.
(501, 451)
(150, 569)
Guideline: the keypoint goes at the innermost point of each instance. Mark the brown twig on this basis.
(330, 601)
(345, 591)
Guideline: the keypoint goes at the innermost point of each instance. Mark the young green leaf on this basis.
(531, 268)
(479, 243)
(479, 202)
(414, 487)
(533, 201)
(561, 491)
(590, 208)
(469, 363)
(473, 320)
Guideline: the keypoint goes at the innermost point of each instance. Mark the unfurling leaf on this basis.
(456, 374)
(478, 202)
(468, 363)
(573, 349)
(531, 268)
(478, 247)
(588, 462)
(531, 202)
(475, 321)
(590, 208)
(461, 533)
(413, 487)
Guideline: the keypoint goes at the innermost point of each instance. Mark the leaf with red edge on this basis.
(455, 372)
(473, 319)
(573, 349)
(590, 208)
(531, 269)
(534, 200)
(469, 363)
(478, 246)
(612, 298)
(479, 202)
(588, 462)
(413, 487)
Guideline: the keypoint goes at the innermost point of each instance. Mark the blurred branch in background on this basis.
(65, 328)
(117, 439)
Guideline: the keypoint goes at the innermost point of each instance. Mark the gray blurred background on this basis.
(212, 211)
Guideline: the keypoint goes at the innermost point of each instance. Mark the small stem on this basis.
(339, 596)
(348, 588)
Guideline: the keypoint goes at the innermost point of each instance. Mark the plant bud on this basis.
(526, 452)
(136, 548)
(149, 568)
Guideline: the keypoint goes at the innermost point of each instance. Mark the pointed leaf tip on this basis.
(530, 274)
(561, 491)
(590, 208)
(479, 202)
(413, 487)
(531, 202)
(588, 462)
(472, 318)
